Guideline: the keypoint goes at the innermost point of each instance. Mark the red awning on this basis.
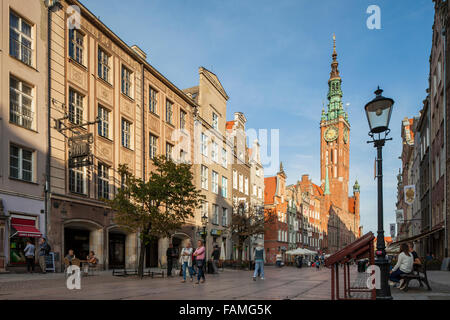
(25, 228)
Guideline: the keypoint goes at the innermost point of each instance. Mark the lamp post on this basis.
(205, 224)
(378, 113)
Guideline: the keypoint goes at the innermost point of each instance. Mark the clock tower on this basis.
(335, 141)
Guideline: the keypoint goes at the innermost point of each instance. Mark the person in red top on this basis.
(200, 260)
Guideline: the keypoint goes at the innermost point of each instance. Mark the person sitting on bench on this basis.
(404, 265)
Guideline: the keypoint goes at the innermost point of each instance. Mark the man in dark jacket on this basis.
(215, 259)
(171, 255)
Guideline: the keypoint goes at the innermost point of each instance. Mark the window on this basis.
(241, 183)
(20, 40)
(254, 190)
(153, 100)
(215, 152)
(75, 107)
(103, 125)
(182, 119)
(103, 181)
(224, 158)
(169, 149)
(224, 187)
(204, 177)
(204, 145)
(215, 121)
(76, 40)
(20, 163)
(235, 182)
(103, 65)
(224, 217)
(169, 111)
(21, 103)
(153, 146)
(126, 81)
(279, 235)
(126, 134)
(259, 193)
(215, 182)
(215, 217)
(246, 186)
(77, 180)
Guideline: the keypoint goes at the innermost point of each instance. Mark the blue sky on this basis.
(273, 58)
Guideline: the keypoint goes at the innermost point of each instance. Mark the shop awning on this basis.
(25, 228)
(419, 236)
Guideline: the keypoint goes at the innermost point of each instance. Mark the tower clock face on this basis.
(345, 135)
(331, 134)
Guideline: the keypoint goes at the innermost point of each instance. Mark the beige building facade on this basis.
(23, 127)
(212, 163)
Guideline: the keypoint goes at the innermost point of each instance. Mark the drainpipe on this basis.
(49, 102)
(143, 122)
(444, 37)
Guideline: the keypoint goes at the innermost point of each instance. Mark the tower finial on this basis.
(334, 65)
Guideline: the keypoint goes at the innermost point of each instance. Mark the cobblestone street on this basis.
(284, 283)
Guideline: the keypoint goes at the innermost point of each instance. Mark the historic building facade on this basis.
(104, 94)
(240, 175)
(431, 147)
(23, 127)
(212, 163)
(276, 204)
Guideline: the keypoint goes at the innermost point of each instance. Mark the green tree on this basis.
(156, 207)
(249, 222)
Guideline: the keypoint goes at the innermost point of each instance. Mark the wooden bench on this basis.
(419, 273)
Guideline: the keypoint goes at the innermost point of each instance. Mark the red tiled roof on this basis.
(351, 204)
(318, 189)
(270, 187)
(230, 125)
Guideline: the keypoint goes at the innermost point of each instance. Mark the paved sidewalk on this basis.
(280, 283)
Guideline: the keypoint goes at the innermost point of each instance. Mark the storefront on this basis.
(22, 229)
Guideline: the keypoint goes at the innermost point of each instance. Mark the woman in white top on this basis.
(186, 261)
(404, 265)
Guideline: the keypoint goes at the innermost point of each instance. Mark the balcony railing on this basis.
(21, 115)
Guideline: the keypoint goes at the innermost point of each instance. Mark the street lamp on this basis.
(378, 113)
(204, 223)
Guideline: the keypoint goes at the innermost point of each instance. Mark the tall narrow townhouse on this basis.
(96, 125)
(241, 175)
(257, 188)
(23, 128)
(212, 163)
(169, 130)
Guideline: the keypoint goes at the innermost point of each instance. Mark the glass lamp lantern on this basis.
(378, 112)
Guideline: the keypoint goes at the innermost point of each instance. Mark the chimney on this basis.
(139, 51)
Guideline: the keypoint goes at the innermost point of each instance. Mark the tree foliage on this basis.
(249, 222)
(156, 207)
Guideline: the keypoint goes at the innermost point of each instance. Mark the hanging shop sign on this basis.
(410, 194)
(80, 154)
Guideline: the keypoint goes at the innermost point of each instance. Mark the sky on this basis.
(273, 59)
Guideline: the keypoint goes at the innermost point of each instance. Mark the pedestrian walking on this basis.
(44, 250)
(279, 259)
(215, 259)
(318, 265)
(29, 256)
(200, 254)
(171, 256)
(259, 256)
(186, 261)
